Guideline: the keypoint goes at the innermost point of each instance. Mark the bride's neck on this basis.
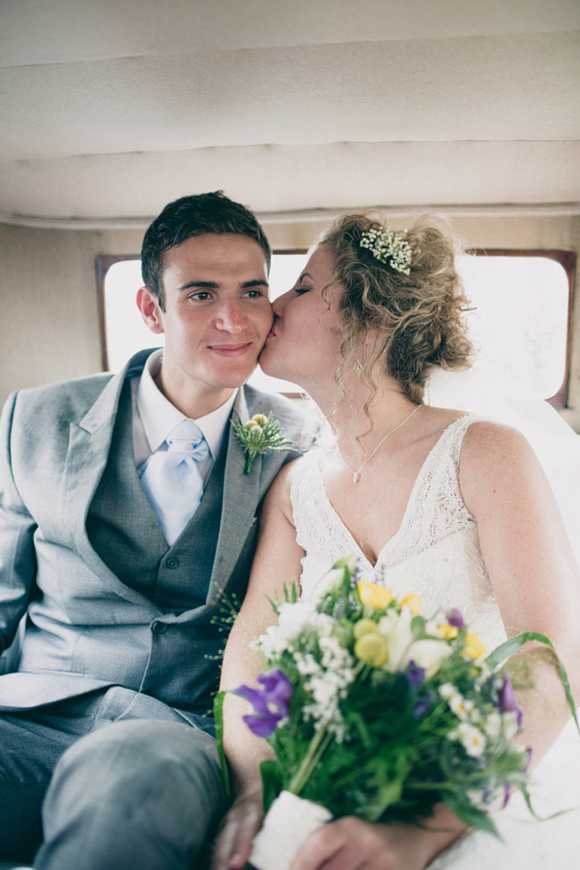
(350, 424)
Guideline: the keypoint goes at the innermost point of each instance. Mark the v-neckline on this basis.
(404, 521)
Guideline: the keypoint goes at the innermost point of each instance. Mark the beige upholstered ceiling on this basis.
(110, 108)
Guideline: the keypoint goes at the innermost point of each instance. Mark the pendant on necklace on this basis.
(356, 474)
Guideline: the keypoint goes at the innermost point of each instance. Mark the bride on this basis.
(450, 506)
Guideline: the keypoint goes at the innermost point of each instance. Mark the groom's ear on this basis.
(150, 309)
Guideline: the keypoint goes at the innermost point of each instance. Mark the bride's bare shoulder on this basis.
(496, 458)
(486, 440)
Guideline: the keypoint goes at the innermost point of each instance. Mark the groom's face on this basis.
(217, 312)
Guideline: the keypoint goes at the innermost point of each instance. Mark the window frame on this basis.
(103, 263)
(567, 259)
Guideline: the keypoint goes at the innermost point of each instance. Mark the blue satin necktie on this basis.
(172, 480)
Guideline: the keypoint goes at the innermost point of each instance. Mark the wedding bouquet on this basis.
(374, 711)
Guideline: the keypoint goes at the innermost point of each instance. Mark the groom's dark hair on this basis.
(194, 216)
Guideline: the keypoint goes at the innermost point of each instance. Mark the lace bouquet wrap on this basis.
(372, 710)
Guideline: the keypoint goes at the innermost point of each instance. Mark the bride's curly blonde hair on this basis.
(419, 318)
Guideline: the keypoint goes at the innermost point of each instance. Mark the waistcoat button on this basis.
(158, 627)
(172, 563)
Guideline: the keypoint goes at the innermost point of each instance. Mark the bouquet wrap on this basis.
(287, 824)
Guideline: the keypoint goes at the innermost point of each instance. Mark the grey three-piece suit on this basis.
(120, 627)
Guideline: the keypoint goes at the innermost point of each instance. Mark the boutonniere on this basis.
(259, 435)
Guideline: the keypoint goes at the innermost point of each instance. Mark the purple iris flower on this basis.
(507, 790)
(508, 701)
(415, 675)
(277, 687)
(423, 706)
(270, 702)
(415, 678)
(455, 618)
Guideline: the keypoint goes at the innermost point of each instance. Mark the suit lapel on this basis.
(88, 451)
(87, 455)
(241, 497)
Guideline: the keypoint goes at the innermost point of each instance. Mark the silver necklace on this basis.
(356, 474)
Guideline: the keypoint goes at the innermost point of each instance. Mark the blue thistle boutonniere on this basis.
(259, 435)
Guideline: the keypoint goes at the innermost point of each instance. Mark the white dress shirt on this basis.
(154, 417)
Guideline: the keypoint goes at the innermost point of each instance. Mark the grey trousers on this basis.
(134, 785)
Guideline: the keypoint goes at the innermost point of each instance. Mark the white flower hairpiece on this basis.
(388, 247)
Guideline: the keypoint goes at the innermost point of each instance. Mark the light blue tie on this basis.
(172, 480)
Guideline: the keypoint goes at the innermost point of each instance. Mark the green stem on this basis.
(311, 758)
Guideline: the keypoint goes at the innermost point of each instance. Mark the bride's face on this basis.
(304, 343)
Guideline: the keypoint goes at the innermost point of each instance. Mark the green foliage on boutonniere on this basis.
(259, 435)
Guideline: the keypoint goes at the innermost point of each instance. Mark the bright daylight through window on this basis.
(520, 323)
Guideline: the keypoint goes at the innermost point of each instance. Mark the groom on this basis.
(126, 532)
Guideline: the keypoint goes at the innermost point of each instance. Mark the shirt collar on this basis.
(159, 416)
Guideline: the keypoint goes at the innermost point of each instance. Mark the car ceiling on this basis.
(111, 108)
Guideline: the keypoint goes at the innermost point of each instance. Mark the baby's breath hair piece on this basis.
(388, 247)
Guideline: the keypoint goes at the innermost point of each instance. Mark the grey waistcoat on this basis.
(125, 533)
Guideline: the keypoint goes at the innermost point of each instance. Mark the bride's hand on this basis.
(239, 827)
(353, 844)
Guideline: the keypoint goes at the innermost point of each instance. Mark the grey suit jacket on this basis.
(86, 629)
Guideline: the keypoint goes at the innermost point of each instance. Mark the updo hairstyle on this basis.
(418, 318)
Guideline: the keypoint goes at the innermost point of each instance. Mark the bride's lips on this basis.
(231, 349)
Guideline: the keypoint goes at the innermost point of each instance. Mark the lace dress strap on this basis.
(436, 508)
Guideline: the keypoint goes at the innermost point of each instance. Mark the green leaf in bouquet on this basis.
(514, 644)
(473, 817)
(291, 596)
(311, 760)
(388, 794)
(388, 782)
(456, 766)
(528, 800)
(272, 783)
(418, 626)
(218, 709)
(356, 723)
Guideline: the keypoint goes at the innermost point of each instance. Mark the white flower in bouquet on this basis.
(428, 654)
(396, 628)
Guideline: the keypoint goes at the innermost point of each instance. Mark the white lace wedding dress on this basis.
(436, 555)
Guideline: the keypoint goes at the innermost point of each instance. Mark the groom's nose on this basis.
(230, 316)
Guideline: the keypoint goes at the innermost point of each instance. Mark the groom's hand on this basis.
(239, 827)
